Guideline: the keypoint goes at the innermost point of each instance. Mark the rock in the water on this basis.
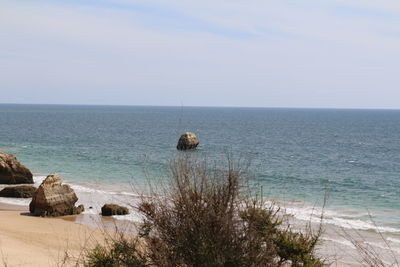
(20, 191)
(79, 209)
(54, 199)
(13, 172)
(113, 209)
(187, 141)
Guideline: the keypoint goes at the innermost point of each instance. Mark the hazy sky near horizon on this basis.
(286, 53)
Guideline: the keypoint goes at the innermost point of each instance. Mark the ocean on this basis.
(298, 156)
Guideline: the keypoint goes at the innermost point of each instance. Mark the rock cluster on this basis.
(51, 198)
(54, 199)
(13, 172)
(20, 191)
(113, 209)
(187, 141)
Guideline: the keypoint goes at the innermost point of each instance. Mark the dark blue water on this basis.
(301, 154)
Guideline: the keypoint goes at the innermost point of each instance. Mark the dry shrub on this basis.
(369, 256)
(206, 217)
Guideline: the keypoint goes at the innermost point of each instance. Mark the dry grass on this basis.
(369, 256)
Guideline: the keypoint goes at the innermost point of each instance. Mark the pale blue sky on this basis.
(286, 53)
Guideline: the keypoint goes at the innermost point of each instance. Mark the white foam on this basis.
(125, 193)
(394, 240)
(90, 211)
(132, 216)
(85, 189)
(92, 197)
(383, 246)
(37, 180)
(338, 219)
(339, 241)
(361, 225)
(15, 201)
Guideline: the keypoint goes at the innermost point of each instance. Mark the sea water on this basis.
(297, 155)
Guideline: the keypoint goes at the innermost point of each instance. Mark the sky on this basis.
(253, 53)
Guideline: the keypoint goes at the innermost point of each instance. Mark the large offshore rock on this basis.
(54, 199)
(113, 209)
(19, 191)
(187, 141)
(13, 172)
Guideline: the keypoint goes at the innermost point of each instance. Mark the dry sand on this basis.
(34, 241)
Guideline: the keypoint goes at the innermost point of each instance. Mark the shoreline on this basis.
(335, 247)
(94, 221)
(48, 240)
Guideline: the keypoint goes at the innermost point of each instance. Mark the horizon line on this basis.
(199, 106)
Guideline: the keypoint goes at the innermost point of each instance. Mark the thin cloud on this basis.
(263, 53)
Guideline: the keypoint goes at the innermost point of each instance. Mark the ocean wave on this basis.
(95, 198)
(38, 179)
(86, 189)
(15, 201)
(132, 216)
(81, 188)
(90, 212)
(393, 240)
(339, 241)
(337, 218)
(378, 246)
(384, 246)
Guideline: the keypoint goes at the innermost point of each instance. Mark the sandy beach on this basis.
(34, 241)
(26, 240)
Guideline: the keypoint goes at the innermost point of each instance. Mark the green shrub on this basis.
(120, 252)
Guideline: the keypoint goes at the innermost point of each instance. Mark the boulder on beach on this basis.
(187, 141)
(113, 209)
(13, 172)
(54, 199)
(20, 191)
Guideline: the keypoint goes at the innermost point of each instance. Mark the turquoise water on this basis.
(299, 154)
